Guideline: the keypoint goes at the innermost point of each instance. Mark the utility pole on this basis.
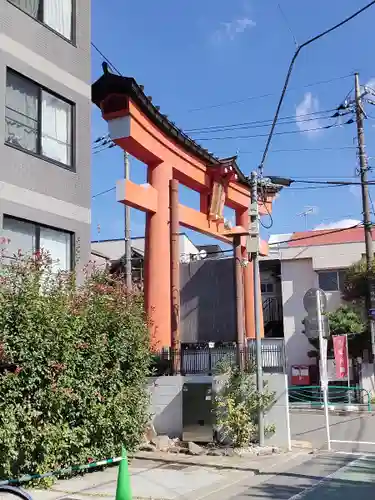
(128, 243)
(365, 204)
(253, 251)
(175, 275)
(240, 311)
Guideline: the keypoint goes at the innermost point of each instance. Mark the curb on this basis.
(246, 467)
(192, 461)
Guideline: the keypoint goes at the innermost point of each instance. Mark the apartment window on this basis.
(37, 120)
(28, 237)
(57, 14)
(331, 281)
(266, 287)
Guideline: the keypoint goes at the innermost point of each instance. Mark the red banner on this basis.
(340, 348)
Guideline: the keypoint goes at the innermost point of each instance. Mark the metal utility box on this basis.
(197, 415)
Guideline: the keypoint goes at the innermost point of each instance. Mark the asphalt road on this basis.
(358, 428)
(323, 477)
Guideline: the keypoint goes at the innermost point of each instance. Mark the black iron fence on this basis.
(206, 359)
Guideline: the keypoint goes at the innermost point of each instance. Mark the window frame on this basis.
(37, 227)
(40, 89)
(266, 284)
(73, 39)
(338, 278)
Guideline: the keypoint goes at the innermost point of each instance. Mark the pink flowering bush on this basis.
(74, 361)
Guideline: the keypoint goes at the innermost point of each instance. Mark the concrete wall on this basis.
(208, 301)
(367, 381)
(297, 277)
(31, 187)
(166, 404)
(278, 414)
(338, 256)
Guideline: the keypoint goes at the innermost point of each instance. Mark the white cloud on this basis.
(307, 106)
(230, 30)
(340, 224)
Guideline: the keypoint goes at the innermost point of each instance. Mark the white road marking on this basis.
(304, 492)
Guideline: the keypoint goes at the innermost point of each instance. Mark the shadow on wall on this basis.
(166, 405)
(297, 346)
(298, 277)
(208, 301)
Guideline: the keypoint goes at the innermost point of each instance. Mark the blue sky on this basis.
(195, 58)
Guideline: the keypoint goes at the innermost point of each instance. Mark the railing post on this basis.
(368, 400)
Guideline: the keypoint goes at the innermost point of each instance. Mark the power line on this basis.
(325, 177)
(331, 182)
(252, 126)
(307, 117)
(269, 94)
(104, 148)
(104, 192)
(105, 58)
(300, 150)
(267, 122)
(305, 188)
(326, 231)
(323, 183)
(291, 240)
(286, 150)
(287, 132)
(290, 69)
(372, 203)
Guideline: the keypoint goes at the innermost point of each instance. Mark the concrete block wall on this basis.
(166, 404)
(278, 414)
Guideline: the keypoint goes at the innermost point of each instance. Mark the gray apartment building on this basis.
(45, 139)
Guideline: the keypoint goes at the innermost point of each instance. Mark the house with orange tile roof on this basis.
(299, 261)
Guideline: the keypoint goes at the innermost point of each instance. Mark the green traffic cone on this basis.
(123, 490)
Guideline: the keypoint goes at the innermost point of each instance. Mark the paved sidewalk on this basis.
(161, 480)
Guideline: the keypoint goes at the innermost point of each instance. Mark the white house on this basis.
(114, 249)
(299, 261)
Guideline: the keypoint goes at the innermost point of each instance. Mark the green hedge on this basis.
(75, 362)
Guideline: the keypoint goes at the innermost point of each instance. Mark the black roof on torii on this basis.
(110, 84)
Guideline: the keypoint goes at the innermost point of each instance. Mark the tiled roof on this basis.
(328, 237)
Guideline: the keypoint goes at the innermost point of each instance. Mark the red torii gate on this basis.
(138, 127)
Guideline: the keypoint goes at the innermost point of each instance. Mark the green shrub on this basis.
(75, 361)
(346, 321)
(237, 404)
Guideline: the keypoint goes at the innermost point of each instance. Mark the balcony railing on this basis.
(272, 309)
(198, 359)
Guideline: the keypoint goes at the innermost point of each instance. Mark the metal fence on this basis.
(205, 360)
(312, 396)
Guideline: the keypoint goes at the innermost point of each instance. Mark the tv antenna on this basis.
(305, 214)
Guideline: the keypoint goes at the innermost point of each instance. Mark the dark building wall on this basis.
(208, 301)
